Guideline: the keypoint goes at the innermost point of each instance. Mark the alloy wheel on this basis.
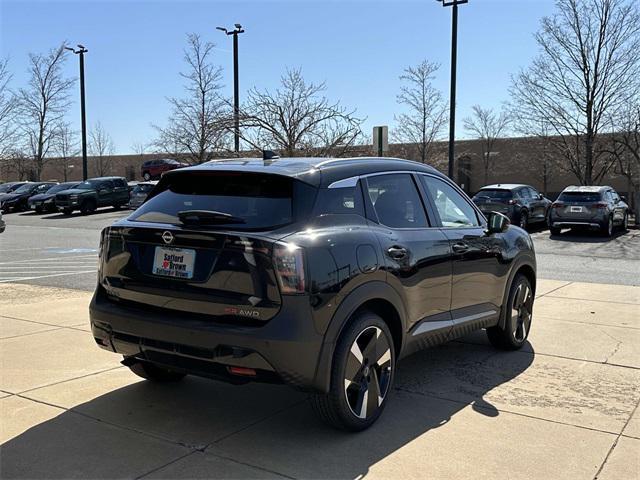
(521, 312)
(368, 372)
(523, 221)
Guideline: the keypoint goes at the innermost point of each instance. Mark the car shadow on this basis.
(100, 211)
(263, 425)
(586, 236)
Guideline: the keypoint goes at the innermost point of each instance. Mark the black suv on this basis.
(316, 273)
(523, 204)
(94, 193)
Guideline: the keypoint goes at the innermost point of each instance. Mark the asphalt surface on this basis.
(61, 251)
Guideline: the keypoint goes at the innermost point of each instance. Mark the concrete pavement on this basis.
(566, 406)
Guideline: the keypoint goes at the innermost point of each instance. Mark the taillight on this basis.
(599, 205)
(513, 202)
(288, 260)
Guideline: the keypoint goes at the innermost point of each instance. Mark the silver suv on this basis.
(595, 207)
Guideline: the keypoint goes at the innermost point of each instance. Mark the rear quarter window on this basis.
(339, 201)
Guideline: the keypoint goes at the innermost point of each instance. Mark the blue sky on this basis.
(358, 47)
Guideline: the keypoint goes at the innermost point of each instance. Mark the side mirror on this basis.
(623, 198)
(497, 223)
(540, 196)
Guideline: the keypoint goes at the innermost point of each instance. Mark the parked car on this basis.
(595, 207)
(46, 202)
(2, 224)
(523, 204)
(94, 193)
(316, 273)
(17, 200)
(155, 168)
(139, 193)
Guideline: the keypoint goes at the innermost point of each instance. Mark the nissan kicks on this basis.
(316, 273)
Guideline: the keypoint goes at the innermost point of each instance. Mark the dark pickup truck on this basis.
(94, 193)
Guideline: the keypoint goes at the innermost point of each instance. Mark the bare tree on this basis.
(101, 147)
(297, 119)
(488, 126)
(43, 103)
(588, 68)
(8, 108)
(198, 125)
(426, 110)
(66, 147)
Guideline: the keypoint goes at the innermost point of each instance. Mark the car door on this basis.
(478, 270)
(538, 210)
(121, 191)
(617, 205)
(105, 193)
(416, 253)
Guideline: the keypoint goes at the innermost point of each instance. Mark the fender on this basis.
(524, 259)
(375, 290)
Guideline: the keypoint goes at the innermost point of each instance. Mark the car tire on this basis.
(354, 400)
(67, 211)
(152, 372)
(117, 206)
(87, 207)
(555, 230)
(146, 176)
(607, 228)
(516, 316)
(38, 209)
(524, 220)
(625, 222)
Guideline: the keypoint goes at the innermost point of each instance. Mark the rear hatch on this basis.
(494, 200)
(203, 244)
(578, 206)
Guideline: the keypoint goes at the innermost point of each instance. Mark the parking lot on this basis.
(566, 406)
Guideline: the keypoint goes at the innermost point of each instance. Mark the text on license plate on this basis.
(174, 262)
(576, 209)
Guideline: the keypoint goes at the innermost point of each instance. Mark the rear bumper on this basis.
(570, 224)
(286, 349)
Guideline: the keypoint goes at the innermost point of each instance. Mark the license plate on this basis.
(576, 209)
(174, 262)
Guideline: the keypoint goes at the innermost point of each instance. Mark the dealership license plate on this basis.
(576, 209)
(174, 262)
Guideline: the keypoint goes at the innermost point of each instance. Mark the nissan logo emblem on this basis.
(167, 237)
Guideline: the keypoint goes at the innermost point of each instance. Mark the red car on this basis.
(153, 169)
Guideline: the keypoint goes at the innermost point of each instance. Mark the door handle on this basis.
(460, 248)
(397, 253)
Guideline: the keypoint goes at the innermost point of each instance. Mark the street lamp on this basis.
(80, 52)
(236, 94)
(452, 96)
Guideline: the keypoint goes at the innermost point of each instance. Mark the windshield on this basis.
(145, 188)
(88, 185)
(26, 188)
(6, 187)
(260, 201)
(60, 187)
(495, 194)
(580, 197)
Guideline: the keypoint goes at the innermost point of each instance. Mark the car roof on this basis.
(586, 188)
(106, 178)
(319, 171)
(505, 186)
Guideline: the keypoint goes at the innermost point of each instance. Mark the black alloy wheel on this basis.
(517, 314)
(362, 375)
(524, 220)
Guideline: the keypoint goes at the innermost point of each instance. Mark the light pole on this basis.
(83, 119)
(452, 95)
(236, 93)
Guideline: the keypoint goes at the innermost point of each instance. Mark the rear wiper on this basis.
(207, 217)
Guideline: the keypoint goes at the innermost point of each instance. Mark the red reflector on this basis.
(247, 372)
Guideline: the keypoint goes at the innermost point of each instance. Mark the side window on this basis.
(525, 193)
(340, 201)
(452, 207)
(396, 201)
(106, 185)
(533, 193)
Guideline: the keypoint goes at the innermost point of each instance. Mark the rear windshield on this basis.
(495, 194)
(260, 201)
(579, 197)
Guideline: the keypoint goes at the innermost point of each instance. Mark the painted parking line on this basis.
(34, 269)
(21, 279)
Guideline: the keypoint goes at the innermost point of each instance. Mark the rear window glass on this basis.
(495, 194)
(260, 201)
(339, 201)
(579, 197)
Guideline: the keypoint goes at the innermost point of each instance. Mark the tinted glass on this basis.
(494, 194)
(142, 188)
(580, 197)
(452, 207)
(396, 201)
(262, 201)
(60, 187)
(26, 188)
(339, 201)
(89, 184)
